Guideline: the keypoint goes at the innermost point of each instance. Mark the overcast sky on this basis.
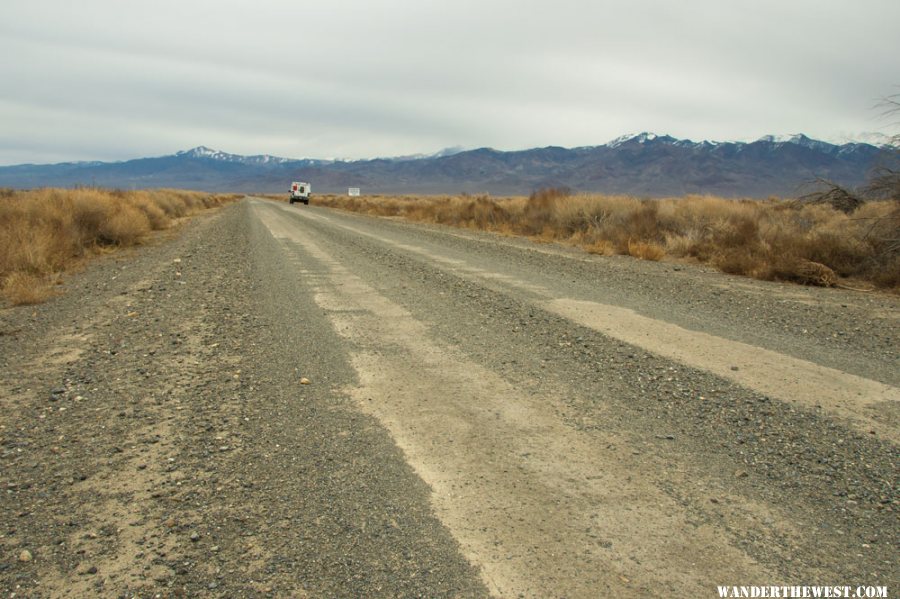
(113, 80)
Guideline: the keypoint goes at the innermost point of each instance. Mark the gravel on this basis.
(182, 453)
(179, 421)
(836, 487)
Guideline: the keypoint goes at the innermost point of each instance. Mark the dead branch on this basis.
(834, 195)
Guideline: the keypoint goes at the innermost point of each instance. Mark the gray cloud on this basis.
(108, 80)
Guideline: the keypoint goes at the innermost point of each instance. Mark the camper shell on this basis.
(300, 192)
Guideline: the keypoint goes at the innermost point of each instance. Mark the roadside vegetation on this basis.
(45, 232)
(811, 241)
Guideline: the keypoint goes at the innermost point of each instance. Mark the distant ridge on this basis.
(644, 164)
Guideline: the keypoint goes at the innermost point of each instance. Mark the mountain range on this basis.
(644, 164)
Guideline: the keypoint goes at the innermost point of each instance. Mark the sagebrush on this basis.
(43, 232)
(766, 239)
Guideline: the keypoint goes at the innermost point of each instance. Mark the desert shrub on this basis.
(541, 209)
(45, 231)
(844, 254)
(887, 273)
(487, 214)
(600, 246)
(880, 225)
(125, 225)
(89, 210)
(24, 288)
(172, 206)
(834, 195)
(744, 261)
(646, 251)
(735, 231)
(643, 223)
(766, 239)
(800, 270)
(156, 216)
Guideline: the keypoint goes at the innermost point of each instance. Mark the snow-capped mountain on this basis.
(800, 140)
(797, 139)
(638, 138)
(645, 164)
(439, 154)
(202, 152)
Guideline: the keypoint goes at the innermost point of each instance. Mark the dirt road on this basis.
(484, 417)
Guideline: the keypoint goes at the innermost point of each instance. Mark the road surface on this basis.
(484, 416)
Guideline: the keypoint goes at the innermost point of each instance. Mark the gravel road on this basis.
(286, 401)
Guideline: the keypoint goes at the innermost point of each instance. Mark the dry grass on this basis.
(766, 239)
(646, 251)
(45, 232)
(23, 288)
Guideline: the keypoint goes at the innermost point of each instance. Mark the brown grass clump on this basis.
(646, 251)
(46, 231)
(22, 288)
(805, 271)
(809, 243)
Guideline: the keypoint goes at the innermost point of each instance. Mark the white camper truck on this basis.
(300, 192)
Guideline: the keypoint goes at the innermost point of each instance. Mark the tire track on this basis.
(542, 508)
(868, 406)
